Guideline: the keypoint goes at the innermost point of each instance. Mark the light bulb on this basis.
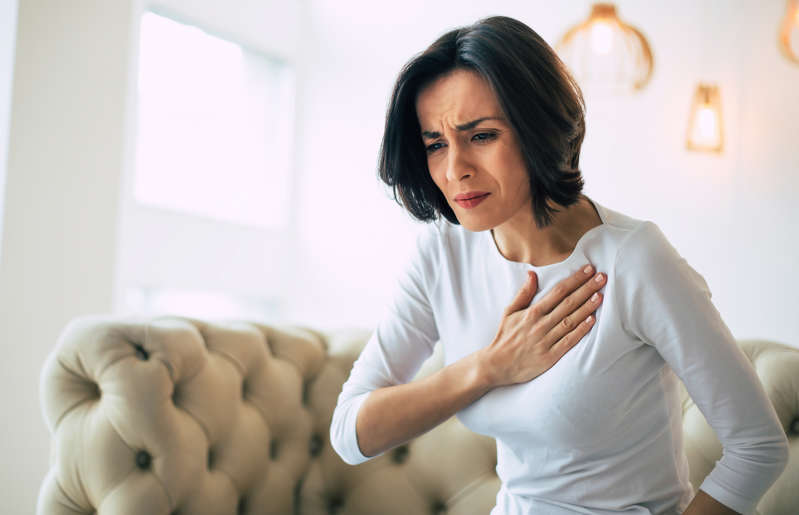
(601, 37)
(705, 129)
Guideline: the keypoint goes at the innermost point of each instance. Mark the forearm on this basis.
(393, 415)
(704, 504)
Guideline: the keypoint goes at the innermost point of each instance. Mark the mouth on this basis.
(472, 201)
(470, 195)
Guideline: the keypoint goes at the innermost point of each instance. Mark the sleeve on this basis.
(403, 340)
(664, 302)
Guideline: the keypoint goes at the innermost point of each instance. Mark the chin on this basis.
(474, 225)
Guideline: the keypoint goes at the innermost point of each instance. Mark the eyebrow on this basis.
(463, 127)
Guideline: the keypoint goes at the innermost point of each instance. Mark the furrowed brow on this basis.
(471, 125)
(464, 127)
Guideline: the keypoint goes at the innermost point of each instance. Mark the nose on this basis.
(458, 164)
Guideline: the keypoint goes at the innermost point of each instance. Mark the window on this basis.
(205, 225)
(214, 126)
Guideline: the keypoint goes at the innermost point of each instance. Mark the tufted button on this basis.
(438, 507)
(315, 445)
(400, 454)
(141, 352)
(244, 389)
(334, 504)
(211, 456)
(241, 509)
(305, 394)
(795, 426)
(95, 390)
(274, 449)
(143, 460)
(297, 491)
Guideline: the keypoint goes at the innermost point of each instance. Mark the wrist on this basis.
(484, 375)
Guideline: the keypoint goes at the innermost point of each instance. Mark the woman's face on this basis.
(471, 149)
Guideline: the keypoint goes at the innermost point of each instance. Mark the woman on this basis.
(578, 387)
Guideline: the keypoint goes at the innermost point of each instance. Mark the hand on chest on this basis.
(591, 394)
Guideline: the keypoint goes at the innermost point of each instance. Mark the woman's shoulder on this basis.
(431, 240)
(431, 236)
(641, 246)
(618, 221)
(638, 242)
(632, 234)
(647, 262)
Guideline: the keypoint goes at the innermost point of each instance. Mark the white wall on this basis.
(61, 202)
(67, 186)
(8, 36)
(731, 216)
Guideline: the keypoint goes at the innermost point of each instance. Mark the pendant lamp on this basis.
(705, 128)
(604, 53)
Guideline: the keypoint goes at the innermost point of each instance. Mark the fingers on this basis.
(570, 314)
(525, 295)
(563, 289)
(570, 339)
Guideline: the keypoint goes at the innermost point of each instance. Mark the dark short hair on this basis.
(539, 98)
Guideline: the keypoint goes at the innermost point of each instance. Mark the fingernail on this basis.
(587, 269)
(598, 278)
(594, 297)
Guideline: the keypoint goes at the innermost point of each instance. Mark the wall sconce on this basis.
(789, 32)
(604, 52)
(705, 128)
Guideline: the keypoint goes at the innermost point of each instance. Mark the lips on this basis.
(470, 195)
(468, 202)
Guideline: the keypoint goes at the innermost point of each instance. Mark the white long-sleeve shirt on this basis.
(601, 431)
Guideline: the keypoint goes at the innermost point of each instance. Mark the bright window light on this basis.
(215, 124)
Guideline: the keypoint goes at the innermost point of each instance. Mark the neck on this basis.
(519, 239)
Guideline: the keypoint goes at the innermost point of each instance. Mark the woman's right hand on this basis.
(532, 338)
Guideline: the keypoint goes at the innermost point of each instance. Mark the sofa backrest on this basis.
(181, 416)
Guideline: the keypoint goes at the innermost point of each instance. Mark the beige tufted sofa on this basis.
(175, 416)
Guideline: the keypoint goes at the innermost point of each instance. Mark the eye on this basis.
(484, 136)
(433, 147)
